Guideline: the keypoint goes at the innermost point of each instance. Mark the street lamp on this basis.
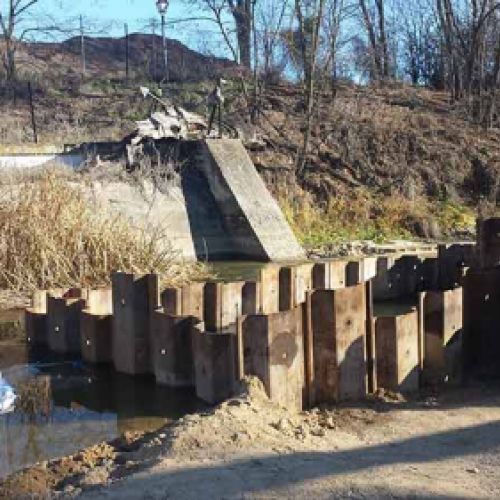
(162, 6)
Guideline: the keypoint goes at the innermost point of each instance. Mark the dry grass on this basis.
(50, 236)
(361, 215)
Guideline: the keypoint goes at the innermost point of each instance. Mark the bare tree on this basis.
(374, 21)
(19, 21)
(241, 12)
(309, 17)
(9, 22)
(270, 19)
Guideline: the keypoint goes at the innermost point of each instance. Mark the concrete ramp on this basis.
(251, 215)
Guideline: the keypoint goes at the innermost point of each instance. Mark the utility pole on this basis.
(82, 46)
(154, 61)
(162, 6)
(126, 53)
(32, 109)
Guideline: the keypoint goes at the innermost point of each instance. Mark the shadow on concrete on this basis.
(279, 473)
(210, 237)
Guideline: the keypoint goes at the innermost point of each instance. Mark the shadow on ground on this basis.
(297, 474)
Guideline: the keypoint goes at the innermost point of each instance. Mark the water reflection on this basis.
(64, 405)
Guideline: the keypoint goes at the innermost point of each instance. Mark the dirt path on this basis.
(431, 447)
(446, 448)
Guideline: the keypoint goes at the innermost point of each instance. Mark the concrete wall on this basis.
(63, 324)
(134, 300)
(443, 327)
(219, 210)
(273, 351)
(338, 323)
(216, 364)
(481, 320)
(397, 352)
(96, 327)
(252, 217)
(172, 349)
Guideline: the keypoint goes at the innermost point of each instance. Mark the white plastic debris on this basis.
(7, 396)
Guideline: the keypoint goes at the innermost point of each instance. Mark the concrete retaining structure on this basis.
(338, 326)
(216, 364)
(134, 300)
(96, 322)
(397, 352)
(274, 352)
(443, 328)
(223, 304)
(481, 320)
(172, 349)
(251, 215)
(36, 320)
(63, 321)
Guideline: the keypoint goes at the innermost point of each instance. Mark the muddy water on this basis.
(237, 270)
(64, 405)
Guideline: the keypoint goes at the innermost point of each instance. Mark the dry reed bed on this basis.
(52, 236)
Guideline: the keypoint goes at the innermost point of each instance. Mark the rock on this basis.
(98, 475)
(283, 425)
(329, 423)
(318, 431)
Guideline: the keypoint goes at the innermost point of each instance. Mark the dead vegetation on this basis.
(51, 236)
(388, 162)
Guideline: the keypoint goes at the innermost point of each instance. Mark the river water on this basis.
(65, 405)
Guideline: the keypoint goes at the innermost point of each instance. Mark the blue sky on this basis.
(118, 10)
(137, 14)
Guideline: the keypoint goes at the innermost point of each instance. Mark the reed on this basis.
(52, 236)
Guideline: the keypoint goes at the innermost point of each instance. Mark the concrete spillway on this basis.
(253, 220)
(220, 210)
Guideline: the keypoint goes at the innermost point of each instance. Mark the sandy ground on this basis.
(434, 447)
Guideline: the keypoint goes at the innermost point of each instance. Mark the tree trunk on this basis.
(309, 63)
(375, 53)
(383, 39)
(242, 14)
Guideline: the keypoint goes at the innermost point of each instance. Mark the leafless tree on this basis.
(241, 12)
(270, 22)
(309, 18)
(374, 20)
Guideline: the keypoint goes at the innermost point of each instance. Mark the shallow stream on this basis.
(64, 405)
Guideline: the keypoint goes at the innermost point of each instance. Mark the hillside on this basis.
(105, 58)
(385, 162)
